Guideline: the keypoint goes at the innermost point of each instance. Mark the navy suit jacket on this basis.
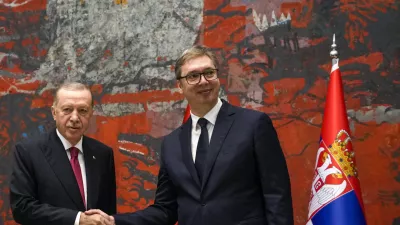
(246, 179)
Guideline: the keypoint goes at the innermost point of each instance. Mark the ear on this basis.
(91, 112)
(179, 85)
(53, 112)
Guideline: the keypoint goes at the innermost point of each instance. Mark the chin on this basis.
(207, 101)
(75, 134)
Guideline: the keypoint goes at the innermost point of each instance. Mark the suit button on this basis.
(203, 204)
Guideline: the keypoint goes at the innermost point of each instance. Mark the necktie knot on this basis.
(202, 122)
(74, 152)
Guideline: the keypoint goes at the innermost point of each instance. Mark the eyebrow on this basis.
(77, 106)
(199, 71)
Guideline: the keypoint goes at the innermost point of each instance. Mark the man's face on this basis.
(204, 93)
(72, 113)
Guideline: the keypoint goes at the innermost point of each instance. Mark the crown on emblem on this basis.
(344, 156)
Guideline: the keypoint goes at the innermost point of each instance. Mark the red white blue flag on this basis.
(335, 192)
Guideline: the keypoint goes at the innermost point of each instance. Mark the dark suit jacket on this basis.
(43, 188)
(246, 178)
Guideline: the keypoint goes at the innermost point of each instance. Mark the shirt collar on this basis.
(68, 145)
(211, 116)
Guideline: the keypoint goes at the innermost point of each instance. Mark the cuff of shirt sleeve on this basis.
(77, 218)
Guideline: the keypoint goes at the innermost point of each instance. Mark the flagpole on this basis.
(335, 191)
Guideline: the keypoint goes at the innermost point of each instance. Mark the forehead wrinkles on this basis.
(73, 97)
(74, 103)
(198, 63)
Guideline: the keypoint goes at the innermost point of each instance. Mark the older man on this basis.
(60, 175)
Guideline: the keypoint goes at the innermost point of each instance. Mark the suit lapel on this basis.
(57, 157)
(185, 139)
(222, 126)
(92, 178)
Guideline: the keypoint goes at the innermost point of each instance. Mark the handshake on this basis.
(95, 217)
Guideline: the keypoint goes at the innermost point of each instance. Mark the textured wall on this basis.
(274, 58)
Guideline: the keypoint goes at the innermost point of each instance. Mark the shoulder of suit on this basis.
(173, 133)
(97, 144)
(250, 113)
(35, 141)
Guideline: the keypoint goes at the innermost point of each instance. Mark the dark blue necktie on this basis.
(202, 148)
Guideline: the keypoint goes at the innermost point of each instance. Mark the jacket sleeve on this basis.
(164, 209)
(274, 175)
(111, 202)
(25, 206)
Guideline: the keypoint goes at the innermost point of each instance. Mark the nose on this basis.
(203, 79)
(74, 116)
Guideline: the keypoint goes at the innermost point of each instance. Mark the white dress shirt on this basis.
(68, 145)
(211, 117)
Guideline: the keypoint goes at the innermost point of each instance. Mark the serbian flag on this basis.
(187, 114)
(335, 192)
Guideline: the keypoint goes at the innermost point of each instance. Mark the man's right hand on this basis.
(95, 219)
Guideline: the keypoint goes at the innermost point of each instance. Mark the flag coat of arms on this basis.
(335, 191)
